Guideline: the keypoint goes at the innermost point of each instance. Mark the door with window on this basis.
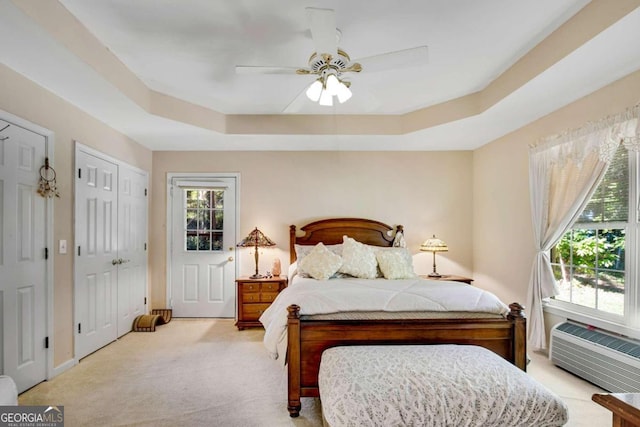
(202, 247)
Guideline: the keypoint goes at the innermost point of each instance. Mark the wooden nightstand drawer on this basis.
(253, 311)
(268, 296)
(251, 287)
(271, 287)
(251, 297)
(254, 296)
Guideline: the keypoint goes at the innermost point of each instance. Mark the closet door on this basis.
(132, 246)
(96, 253)
(23, 264)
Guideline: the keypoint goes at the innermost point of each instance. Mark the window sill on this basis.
(605, 325)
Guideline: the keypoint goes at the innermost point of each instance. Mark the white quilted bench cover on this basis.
(431, 385)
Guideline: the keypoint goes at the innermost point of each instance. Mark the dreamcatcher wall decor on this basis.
(47, 184)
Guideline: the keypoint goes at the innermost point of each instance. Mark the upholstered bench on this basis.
(8, 391)
(431, 385)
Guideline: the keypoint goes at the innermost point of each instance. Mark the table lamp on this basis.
(434, 245)
(256, 239)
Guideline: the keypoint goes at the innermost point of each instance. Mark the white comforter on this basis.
(340, 295)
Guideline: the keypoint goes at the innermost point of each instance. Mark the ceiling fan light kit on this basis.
(329, 62)
(326, 87)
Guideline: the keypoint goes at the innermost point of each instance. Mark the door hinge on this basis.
(79, 328)
(46, 253)
(79, 173)
(145, 191)
(46, 342)
(78, 250)
(145, 246)
(145, 300)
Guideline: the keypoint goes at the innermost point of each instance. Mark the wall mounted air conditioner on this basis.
(606, 360)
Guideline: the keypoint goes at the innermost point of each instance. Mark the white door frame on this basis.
(49, 137)
(204, 176)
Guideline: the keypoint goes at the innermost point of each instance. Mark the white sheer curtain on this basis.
(564, 171)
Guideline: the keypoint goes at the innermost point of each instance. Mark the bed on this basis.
(308, 333)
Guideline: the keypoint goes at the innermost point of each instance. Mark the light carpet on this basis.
(204, 372)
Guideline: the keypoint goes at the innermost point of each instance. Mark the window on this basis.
(204, 212)
(595, 262)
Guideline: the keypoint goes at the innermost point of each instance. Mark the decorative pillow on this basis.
(358, 259)
(395, 264)
(304, 250)
(320, 263)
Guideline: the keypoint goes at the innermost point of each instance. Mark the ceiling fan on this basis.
(329, 62)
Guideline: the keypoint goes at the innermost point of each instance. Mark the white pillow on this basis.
(304, 250)
(395, 264)
(320, 263)
(358, 259)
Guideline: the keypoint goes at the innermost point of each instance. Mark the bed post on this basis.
(292, 247)
(519, 328)
(293, 360)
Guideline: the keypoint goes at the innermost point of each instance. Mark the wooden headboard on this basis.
(330, 232)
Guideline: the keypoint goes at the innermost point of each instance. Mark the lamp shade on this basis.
(315, 90)
(257, 239)
(434, 245)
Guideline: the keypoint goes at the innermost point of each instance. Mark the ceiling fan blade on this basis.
(322, 23)
(297, 104)
(257, 69)
(397, 59)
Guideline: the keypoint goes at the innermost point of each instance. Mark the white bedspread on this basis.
(431, 385)
(340, 295)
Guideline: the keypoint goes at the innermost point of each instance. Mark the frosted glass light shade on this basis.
(332, 84)
(314, 91)
(326, 99)
(343, 93)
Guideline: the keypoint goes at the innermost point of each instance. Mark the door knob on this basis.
(230, 259)
(114, 262)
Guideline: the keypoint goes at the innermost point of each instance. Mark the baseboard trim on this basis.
(63, 367)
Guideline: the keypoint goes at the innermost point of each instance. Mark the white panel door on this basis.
(23, 268)
(203, 248)
(132, 246)
(96, 253)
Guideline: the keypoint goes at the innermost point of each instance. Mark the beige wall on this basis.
(23, 98)
(477, 202)
(503, 247)
(426, 192)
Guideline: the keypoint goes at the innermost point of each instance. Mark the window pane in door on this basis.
(204, 218)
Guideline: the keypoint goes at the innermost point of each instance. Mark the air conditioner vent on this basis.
(607, 361)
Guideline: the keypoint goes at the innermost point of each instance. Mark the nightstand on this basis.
(254, 296)
(450, 277)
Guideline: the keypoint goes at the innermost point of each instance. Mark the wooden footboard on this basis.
(307, 339)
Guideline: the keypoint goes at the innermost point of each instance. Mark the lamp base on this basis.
(257, 276)
(434, 274)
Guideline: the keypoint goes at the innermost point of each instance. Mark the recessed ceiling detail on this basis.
(154, 65)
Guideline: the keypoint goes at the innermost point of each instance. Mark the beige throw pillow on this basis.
(320, 263)
(358, 259)
(396, 264)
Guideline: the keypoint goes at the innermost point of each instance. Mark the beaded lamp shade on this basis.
(256, 239)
